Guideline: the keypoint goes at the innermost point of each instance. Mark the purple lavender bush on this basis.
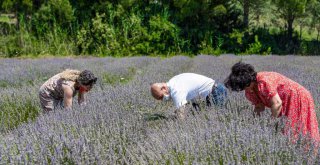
(123, 124)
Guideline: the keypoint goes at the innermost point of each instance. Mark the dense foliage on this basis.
(123, 124)
(153, 27)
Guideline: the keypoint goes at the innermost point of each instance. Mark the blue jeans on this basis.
(219, 96)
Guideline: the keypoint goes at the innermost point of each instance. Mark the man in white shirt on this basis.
(188, 87)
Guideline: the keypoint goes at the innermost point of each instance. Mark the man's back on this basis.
(188, 86)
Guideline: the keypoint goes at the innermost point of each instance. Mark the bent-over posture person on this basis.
(61, 88)
(187, 87)
(282, 95)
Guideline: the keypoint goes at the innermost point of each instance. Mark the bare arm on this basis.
(276, 105)
(67, 100)
(81, 98)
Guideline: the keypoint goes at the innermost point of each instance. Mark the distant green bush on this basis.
(130, 28)
(130, 37)
(52, 15)
(98, 38)
(207, 46)
(257, 48)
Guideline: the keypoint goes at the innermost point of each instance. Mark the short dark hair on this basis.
(86, 77)
(241, 76)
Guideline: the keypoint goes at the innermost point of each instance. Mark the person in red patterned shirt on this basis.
(282, 95)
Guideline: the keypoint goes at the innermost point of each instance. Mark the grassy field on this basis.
(123, 124)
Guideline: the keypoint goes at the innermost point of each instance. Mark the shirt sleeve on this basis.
(253, 98)
(179, 99)
(267, 89)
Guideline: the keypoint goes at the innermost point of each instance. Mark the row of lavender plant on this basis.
(123, 124)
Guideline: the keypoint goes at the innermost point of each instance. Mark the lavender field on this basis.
(123, 124)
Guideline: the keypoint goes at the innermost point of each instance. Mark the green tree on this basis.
(303, 21)
(247, 5)
(53, 13)
(20, 6)
(6, 5)
(202, 20)
(315, 17)
(22, 9)
(17, 6)
(290, 10)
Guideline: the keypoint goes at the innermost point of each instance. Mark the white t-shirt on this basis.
(189, 86)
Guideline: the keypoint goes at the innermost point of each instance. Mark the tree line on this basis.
(158, 27)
